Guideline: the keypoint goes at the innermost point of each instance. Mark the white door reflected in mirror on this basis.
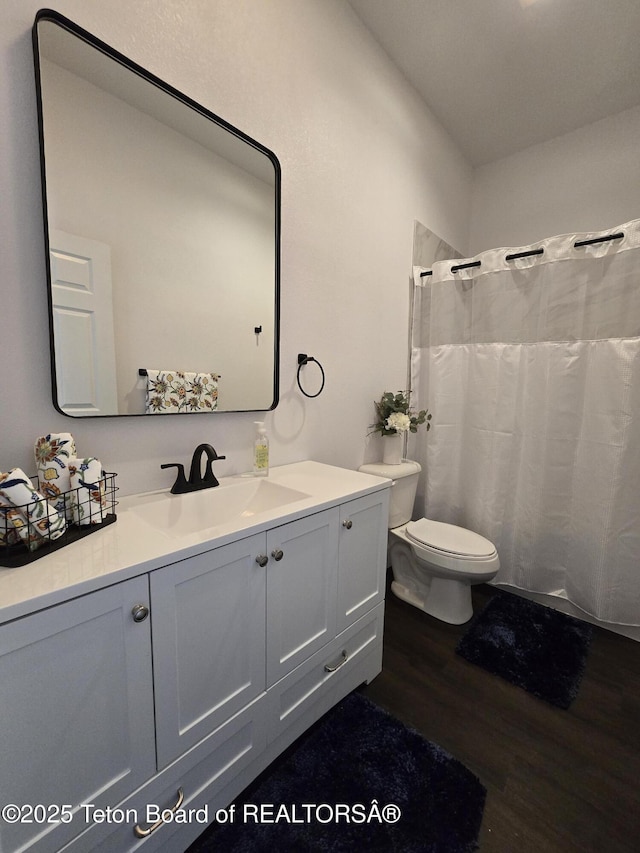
(83, 324)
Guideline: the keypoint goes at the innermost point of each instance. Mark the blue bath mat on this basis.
(534, 647)
(415, 797)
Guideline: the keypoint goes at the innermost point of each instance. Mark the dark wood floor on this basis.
(556, 780)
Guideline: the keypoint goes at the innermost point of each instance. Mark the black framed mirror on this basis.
(162, 235)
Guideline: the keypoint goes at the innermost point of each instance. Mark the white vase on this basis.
(392, 449)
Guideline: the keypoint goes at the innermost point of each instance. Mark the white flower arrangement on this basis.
(398, 422)
(395, 415)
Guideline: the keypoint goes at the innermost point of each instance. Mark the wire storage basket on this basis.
(26, 533)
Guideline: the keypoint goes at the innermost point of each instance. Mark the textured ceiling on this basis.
(501, 75)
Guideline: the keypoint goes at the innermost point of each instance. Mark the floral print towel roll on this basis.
(28, 511)
(88, 502)
(8, 533)
(53, 453)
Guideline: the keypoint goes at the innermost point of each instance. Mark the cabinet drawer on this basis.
(204, 770)
(319, 680)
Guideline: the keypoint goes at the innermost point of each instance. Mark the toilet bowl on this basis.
(434, 564)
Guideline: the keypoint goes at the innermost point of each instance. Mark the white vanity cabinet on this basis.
(208, 617)
(231, 622)
(302, 584)
(246, 644)
(363, 557)
(76, 713)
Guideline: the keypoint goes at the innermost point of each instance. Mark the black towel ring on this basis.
(303, 359)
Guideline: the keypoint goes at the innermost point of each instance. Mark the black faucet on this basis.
(196, 481)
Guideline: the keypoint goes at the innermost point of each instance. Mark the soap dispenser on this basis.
(261, 451)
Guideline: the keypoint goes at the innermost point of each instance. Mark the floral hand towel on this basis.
(177, 392)
(52, 454)
(88, 502)
(30, 514)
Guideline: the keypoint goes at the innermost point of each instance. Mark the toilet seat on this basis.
(439, 538)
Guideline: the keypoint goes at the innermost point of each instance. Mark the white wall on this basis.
(587, 180)
(361, 159)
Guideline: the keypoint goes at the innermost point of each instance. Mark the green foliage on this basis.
(398, 404)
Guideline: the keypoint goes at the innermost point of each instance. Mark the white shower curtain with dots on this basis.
(530, 367)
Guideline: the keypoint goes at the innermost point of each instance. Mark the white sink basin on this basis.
(196, 512)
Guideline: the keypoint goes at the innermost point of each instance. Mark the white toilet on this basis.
(434, 564)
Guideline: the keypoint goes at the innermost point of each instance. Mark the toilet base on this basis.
(447, 600)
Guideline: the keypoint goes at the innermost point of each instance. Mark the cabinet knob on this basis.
(262, 560)
(347, 523)
(140, 613)
(277, 554)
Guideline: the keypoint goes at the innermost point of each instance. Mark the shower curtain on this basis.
(529, 361)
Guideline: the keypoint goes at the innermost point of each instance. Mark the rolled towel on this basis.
(52, 454)
(29, 512)
(88, 503)
(8, 533)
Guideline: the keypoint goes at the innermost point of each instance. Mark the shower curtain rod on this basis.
(617, 236)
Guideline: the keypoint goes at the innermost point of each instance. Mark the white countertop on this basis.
(131, 547)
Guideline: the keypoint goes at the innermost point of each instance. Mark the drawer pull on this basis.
(348, 524)
(277, 554)
(331, 667)
(262, 560)
(143, 833)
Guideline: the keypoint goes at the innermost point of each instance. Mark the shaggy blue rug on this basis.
(357, 762)
(534, 647)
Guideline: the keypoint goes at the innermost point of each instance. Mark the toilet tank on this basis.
(403, 488)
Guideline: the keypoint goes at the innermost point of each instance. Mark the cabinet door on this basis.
(362, 556)
(208, 642)
(302, 587)
(77, 712)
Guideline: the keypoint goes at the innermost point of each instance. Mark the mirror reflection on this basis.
(162, 225)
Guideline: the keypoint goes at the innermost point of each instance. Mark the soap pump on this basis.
(261, 451)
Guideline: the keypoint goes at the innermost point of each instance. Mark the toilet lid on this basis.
(449, 538)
